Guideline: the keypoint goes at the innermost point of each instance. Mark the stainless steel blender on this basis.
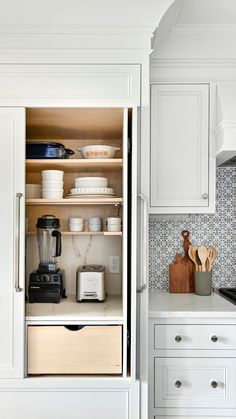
(47, 283)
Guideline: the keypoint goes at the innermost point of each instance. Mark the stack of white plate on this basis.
(91, 186)
(33, 191)
(113, 224)
(76, 224)
(95, 224)
(52, 184)
(91, 182)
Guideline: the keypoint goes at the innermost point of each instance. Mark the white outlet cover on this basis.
(114, 264)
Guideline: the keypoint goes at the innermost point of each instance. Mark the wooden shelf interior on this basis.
(74, 165)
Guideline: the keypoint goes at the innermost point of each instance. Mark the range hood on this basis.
(226, 125)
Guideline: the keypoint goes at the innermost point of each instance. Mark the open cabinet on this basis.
(102, 327)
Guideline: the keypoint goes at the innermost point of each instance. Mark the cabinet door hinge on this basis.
(128, 338)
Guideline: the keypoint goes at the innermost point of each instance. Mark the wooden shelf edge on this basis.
(79, 201)
(83, 233)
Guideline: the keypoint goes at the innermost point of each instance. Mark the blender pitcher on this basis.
(49, 242)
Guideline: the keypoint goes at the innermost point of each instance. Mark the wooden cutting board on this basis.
(181, 273)
(178, 275)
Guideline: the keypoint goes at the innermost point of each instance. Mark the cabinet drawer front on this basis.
(195, 337)
(195, 382)
(89, 350)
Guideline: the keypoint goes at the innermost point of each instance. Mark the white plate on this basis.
(91, 191)
(92, 195)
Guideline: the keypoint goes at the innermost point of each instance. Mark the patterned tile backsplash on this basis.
(219, 229)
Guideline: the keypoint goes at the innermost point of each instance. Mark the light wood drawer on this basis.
(89, 350)
(195, 383)
(194, 337)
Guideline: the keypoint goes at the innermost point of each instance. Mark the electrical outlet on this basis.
(114, 264)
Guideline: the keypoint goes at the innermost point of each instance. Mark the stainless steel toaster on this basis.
(90, 283)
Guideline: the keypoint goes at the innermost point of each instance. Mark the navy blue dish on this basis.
(47, 150)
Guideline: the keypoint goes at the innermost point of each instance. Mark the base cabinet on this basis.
(192, 369)
(73, 404)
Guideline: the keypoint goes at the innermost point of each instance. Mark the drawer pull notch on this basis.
(178, 384)
(178, 338)
(214, 338)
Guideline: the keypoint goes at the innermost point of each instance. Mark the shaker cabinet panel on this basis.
(179, 147)
(11, 243)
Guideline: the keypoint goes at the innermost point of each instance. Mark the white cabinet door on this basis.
(12, 135)
(179, 148)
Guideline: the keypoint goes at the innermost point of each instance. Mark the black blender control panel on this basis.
(43, 278)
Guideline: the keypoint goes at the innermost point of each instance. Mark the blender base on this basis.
(47, 287)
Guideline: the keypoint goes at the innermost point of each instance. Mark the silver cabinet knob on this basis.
(178, 384)
(178, 338)
(205, 196)
(214, 384)
(214, 338)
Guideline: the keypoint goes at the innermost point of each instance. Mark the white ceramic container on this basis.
(52, 175)
(95, 220)
(33, 191)
(76, 220)
(92, 182)
(95, 227)
(113, 227)
(76, 227)
(98, 151)
(52, 193)
(113, 221)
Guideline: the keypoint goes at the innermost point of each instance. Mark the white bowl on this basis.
(52, 194)
(113, 221)
(95, 227)
(95, 220)
(93, 182)
(76, 220)
(91, 191)
(113, 227)
(98, 151)
(52, 174)
(52, 187)
(52, 182)
(33, 191)
(76, 227)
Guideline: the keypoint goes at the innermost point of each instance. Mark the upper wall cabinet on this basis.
(182, 171)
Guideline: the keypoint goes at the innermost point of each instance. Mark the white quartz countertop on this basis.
(165, 304)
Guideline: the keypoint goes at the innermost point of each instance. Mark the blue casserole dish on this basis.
(47, 150)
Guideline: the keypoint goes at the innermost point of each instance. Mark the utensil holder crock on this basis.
(203, 283)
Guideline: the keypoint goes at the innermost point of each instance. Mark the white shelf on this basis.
(69, 311)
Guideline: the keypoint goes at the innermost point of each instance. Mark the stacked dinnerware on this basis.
(95, 224)
(33, 191)
(52, 184)
(76, 224)
(113, 224)
(91, 182)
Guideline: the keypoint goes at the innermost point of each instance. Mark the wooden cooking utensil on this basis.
(211, 257)
(203, 255)
(192, 252)
(178, 275)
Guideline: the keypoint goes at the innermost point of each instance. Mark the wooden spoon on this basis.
(203, 255)
(192, 252)
(211, 257)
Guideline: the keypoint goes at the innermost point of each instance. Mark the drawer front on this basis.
(194, 337)
(195, 382)
(89, 350)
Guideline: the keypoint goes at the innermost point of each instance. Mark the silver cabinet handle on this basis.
(205, 196)
(178, 384)
(144, 243)
(214, 384)
(214, 338)
(17, 259)
(178, 338)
